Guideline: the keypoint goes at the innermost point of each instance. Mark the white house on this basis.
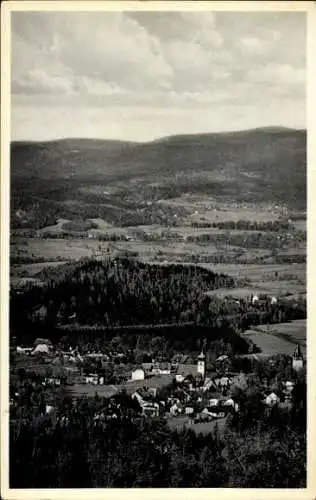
(175, 409)
(189, 410)
(208, 383)
(272, 399)
(229, 402)
(41, 349)
(255, 299)
(150, 409)
(92, 378)
(24, 350)
(138, 374)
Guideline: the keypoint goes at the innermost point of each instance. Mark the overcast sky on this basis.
(142, 75)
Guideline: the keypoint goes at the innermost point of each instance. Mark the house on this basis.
(214, 412)
(147, 367)
(150, 409)
(138, 374)
(222, 382)
(24, 350)
(221, 358)
(229, 402)
(179, 358)
(52, 381)
(208, 384)
(163, 368)
(179, 378)
(254, 299)
(176, 408)
(274, 300)
(92, 378)
(189, 410)
(41, 349)
(272, 399)
(223, 363)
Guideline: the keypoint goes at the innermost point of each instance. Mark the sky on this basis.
(142, 75)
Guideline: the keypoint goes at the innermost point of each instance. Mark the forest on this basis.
(98, 300)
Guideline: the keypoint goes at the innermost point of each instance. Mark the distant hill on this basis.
(259, 165)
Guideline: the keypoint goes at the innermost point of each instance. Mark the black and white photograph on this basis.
(157, 299)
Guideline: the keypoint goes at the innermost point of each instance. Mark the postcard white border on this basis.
(157, 494)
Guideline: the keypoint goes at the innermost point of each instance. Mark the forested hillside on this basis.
(116, 180)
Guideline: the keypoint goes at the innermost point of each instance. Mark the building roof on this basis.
(179, 358)
(147, 366)
(201, 355)
(139, 368)
(40, 348)
(186, 369)
(223, 357)
(42, 341)
(155, 382)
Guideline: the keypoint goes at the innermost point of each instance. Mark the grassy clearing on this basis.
(260, 273)
(47, 249)
(279, 338)
(295, 331)
(271, 344)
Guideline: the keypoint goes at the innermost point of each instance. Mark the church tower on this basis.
(201, 362)
(297, 359)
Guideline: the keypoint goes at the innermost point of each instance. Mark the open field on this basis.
(31, 255)
(237, 293)
(257, 272)
(294, 331)
(47, 249)
(279, 338)
(272, 344)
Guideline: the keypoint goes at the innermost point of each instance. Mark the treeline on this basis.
(237, 257)
(267, 240)
(248, 225)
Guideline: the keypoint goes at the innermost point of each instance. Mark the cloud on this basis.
(252, 45)
(190, 60)
(282, 74)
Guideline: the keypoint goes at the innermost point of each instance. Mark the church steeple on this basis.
(297, 358)
(201, 362)
(297, 354)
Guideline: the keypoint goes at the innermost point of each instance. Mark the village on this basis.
(183, 392)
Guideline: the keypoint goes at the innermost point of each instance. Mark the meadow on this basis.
(279, 338)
